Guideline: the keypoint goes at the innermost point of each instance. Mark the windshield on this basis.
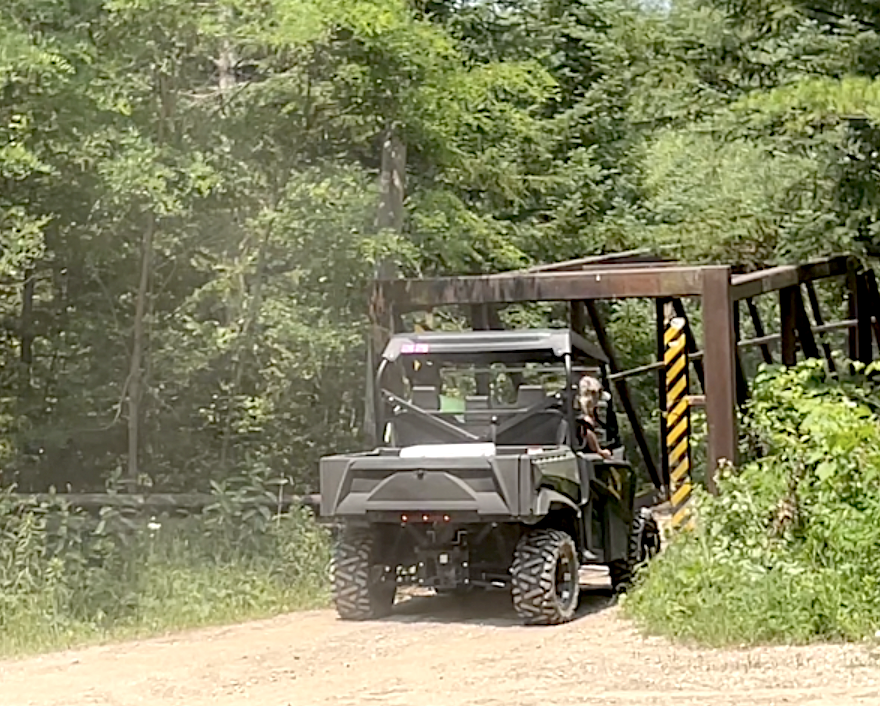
(495, 386)
(438, 399)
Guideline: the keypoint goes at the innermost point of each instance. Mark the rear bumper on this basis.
(383, 487)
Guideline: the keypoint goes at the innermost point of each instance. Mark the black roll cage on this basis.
(566, 397)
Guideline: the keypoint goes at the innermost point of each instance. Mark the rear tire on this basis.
(362, 588)
(644, 543)
(649, 541)
(545, 578)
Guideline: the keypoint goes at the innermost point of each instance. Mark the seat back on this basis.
(545, 428)
(411, 429)
(426, 397)
(529, 395)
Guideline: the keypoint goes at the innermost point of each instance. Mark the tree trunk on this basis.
(392, 183)
(135, 375)
(26, 329)
(390, 215)
(246, 340)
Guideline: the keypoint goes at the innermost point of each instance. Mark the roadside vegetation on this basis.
(67, 578)
(787, 552)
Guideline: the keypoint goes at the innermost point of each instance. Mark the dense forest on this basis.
(191, 203)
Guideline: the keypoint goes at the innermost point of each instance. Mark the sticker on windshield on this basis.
(411, 348)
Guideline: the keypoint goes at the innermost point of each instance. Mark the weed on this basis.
(69, 578)
(787, 551)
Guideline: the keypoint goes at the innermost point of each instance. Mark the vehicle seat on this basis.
(546, 428)
(426, 397)
(477, 414)
(529, 395)
(411, 430)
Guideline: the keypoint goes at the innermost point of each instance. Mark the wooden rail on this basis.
(157, 501)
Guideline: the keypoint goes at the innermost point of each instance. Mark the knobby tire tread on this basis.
(534, 578)
(355, 596)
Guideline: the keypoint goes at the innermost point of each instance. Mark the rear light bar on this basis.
(425, 517)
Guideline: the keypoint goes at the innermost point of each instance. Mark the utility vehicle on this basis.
(481, 479)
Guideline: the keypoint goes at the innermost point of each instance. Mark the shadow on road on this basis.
(493, 608)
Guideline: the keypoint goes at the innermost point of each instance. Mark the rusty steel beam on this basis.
(788, 324)
(479, 321)
(415, 294)
(859, 344)
(759, 330)
(639, 256)
(804, 328)
(662, 311)
(719, 345)
(820, 321)
(761, 341)
(835, 326)
(742, 384)
(577, 316)
(852, 305)
(775, 278)
(623, 393)
(864, 325)
(690, 341)
(874, 302)
(695, 357)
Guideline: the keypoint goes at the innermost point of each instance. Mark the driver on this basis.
(589, 394)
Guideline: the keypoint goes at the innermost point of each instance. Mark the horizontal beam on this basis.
(640, 256)
(775, 337)
(745, 343)
(773, 279)
(415, 294)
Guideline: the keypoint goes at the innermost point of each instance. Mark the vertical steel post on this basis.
(718, 344)
(742, 384)
(578, 317)
(662, 316)
(626, 400)
(865, 344)
(788, 324)
(677, 414)
(678, 307)
(873, 295)
(479, 317)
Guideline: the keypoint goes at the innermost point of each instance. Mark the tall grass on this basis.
(67, 578)
(788, 550)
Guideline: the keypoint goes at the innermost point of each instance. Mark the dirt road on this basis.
(438, 652)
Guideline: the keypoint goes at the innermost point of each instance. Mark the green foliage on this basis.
(219, 163)
(786, 551)
(67, 577)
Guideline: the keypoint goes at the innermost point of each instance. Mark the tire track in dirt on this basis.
(438, 652)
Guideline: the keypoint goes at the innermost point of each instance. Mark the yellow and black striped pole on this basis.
(677, 419)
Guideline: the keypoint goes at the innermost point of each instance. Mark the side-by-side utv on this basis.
(482, 478)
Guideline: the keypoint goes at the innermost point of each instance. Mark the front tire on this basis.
(545, 578)
(363, 589)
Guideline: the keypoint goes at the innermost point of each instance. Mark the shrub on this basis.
(67, 577)
(787, 550)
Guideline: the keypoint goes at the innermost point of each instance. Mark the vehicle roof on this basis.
(480, 346)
